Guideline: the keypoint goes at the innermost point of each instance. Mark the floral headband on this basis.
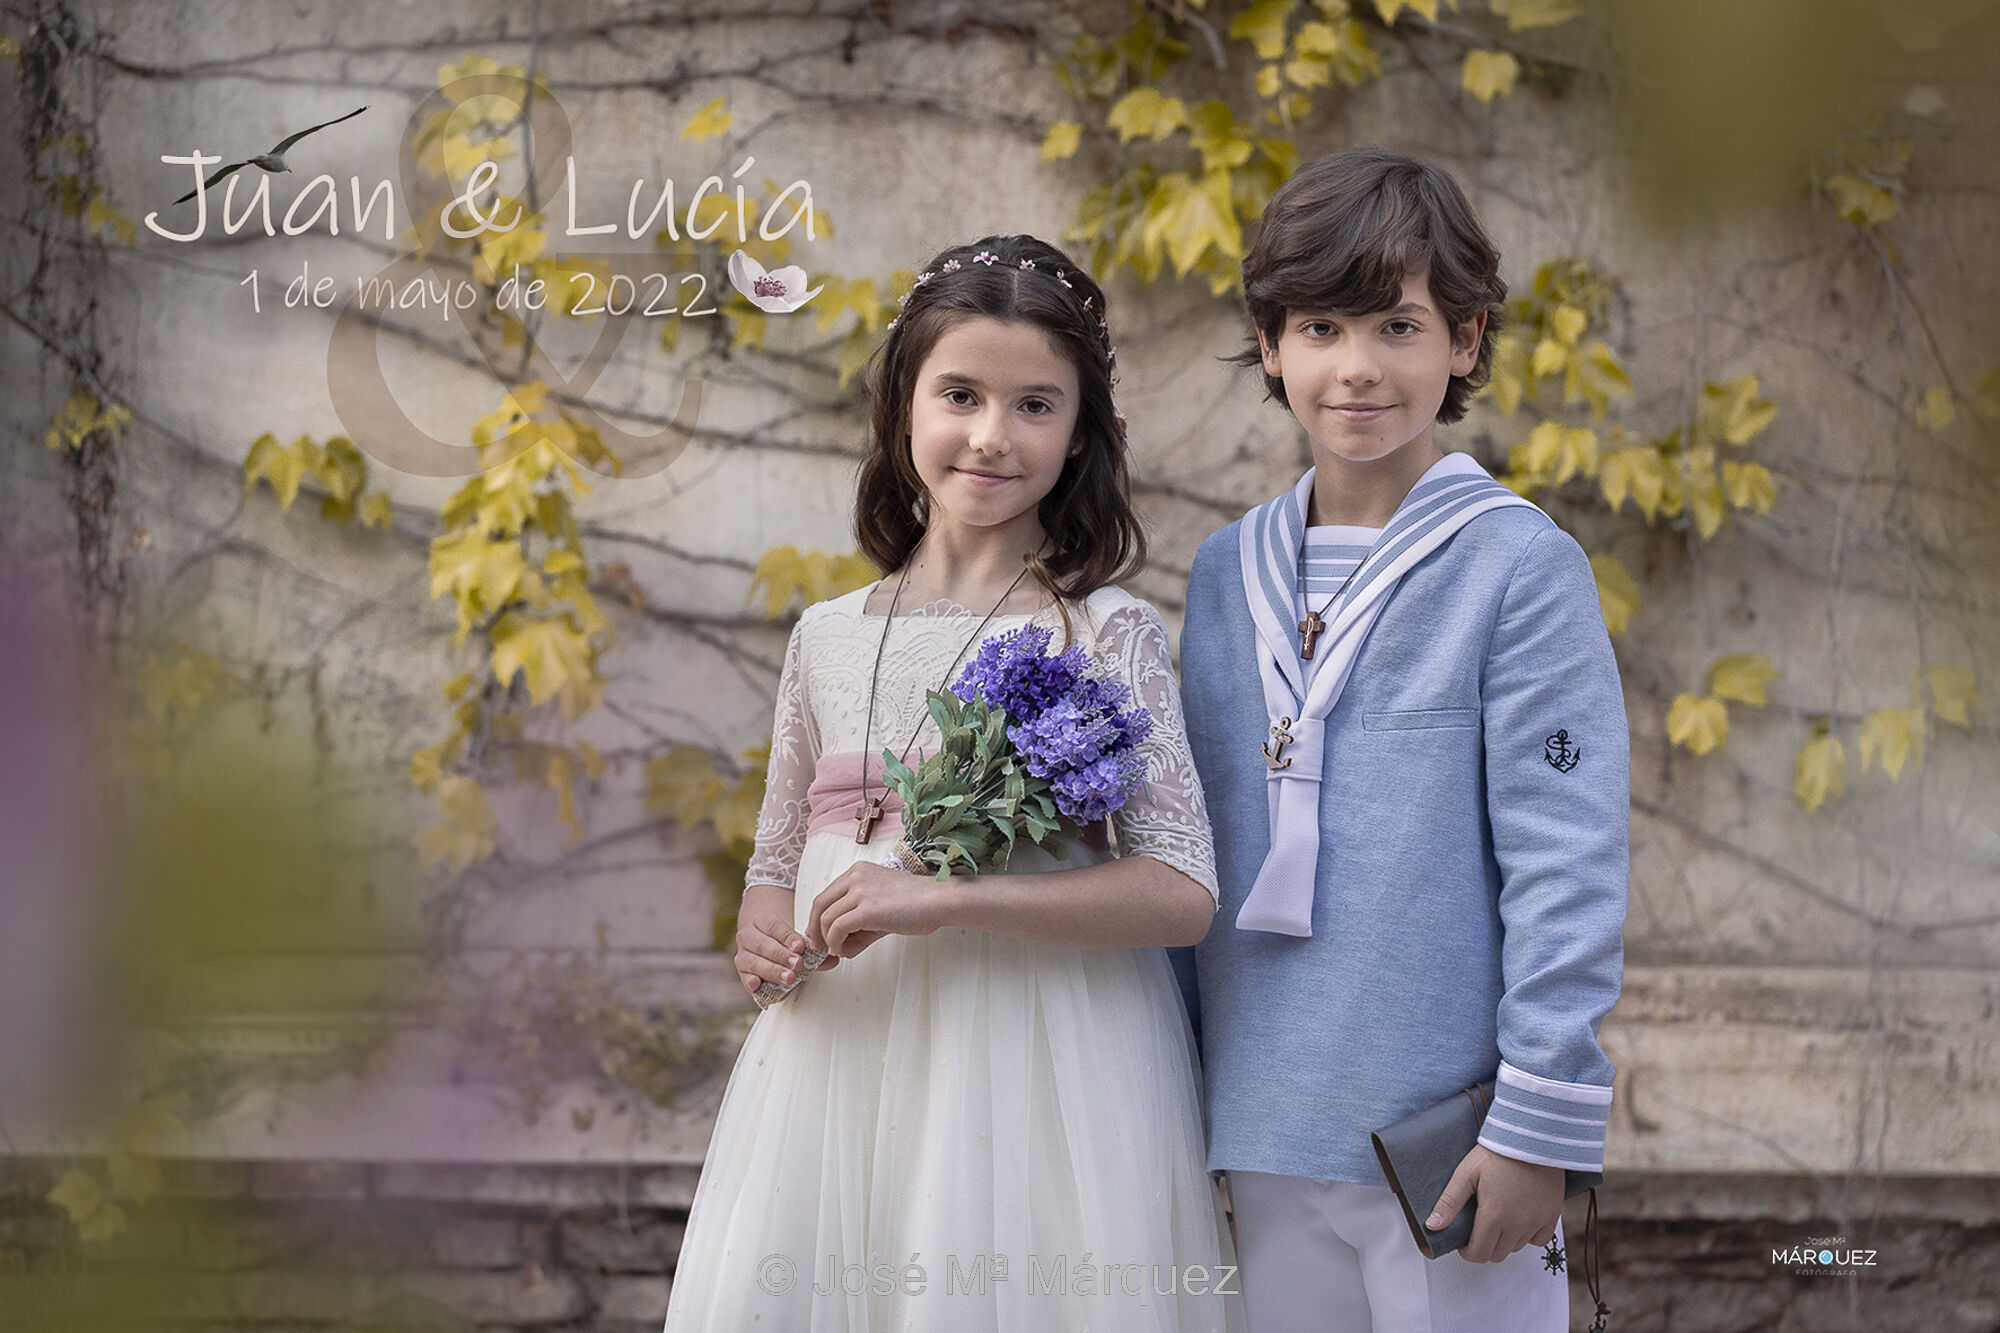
(988, 258)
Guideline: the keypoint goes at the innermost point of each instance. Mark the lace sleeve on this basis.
(1168, 819)
(781, 823)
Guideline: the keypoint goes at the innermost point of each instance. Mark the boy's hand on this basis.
(767, 948)
(1519, 1204)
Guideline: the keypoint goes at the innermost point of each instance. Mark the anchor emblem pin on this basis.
(1562, 756)
(1282, 738)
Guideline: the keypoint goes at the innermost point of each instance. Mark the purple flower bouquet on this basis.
(1034, 745)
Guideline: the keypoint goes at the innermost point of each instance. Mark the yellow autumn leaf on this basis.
(482, 574)
(1699, 723)
(1704, 496)
(1061, 140)
(1749, 486)
(1188, 216)
(1859, 202)
(713, 119)
(1264, 25)
(1489, 74)
(276, 464)
(550, 651)
(133, 1176)
(466, 836)
(76, 1194)
(1937, 411)
(735, 815)
(376, 511)
(1733, 410)
(1568, 322)
(683, 782)
(1617, 592)
(1550, 357)
(1742, 677)
(1895, 736)
(1270, 81)
(1145, 113)
(1821, 770)
(1987, 392)
(1388, 9)
(1954, 693)
(593, 760)
(1215, 133)
(1535, 13)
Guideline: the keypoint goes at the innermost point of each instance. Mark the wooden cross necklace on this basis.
(871, 811)
(1312, 626)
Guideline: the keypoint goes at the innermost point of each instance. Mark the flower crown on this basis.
(988, 258)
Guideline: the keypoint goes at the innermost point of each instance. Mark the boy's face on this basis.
(1368, 387)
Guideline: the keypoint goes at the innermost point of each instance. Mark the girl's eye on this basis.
(1036, 406)
(958, 397)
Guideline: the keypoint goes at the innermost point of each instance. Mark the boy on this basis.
(1407, 720)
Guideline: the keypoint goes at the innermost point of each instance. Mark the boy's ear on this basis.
(1269, 351)
(1465, 341)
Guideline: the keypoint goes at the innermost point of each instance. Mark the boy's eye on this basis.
(1316, 328)
(1402, 327)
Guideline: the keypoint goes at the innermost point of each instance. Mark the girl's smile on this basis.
(991, 426)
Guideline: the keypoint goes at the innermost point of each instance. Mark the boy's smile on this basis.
(1368, 387)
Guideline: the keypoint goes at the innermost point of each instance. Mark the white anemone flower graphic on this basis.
(780, 292)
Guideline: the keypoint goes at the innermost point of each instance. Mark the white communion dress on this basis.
(960, 1131)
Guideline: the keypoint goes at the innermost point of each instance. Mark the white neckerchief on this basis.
(1450, 494)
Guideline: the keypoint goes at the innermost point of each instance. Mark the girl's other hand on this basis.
(767, 947)
(867, 901)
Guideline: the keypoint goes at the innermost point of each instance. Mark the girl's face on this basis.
(992, 421)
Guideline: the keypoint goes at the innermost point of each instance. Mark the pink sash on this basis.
(834, 797)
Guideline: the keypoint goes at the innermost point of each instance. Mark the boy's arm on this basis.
(1559, 804)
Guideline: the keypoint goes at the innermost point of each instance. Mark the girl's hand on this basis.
(867, 901)
(767, 948)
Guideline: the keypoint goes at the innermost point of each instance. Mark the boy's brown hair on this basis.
(1344, 230)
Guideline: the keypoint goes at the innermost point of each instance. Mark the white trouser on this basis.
(1327, 1256)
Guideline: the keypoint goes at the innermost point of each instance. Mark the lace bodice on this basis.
(823, 705)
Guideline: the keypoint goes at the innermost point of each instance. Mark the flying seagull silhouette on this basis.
(271, 161)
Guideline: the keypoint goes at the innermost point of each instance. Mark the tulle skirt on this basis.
(960, 1131)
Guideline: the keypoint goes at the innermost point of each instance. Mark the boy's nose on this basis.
(1359, 365)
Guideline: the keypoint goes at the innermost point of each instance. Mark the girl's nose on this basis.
(988, 433)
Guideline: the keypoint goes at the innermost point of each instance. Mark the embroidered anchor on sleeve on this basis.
(1562, 756)
(1282, 737)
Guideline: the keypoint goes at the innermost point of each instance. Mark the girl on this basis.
(980, 1114)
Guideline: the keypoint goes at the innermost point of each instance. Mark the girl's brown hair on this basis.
(1094, 535)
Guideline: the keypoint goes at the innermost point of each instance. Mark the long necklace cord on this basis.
(871, 809)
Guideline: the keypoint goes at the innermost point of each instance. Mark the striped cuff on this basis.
(1549, 1123)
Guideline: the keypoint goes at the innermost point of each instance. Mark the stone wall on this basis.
(1810, 1001)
